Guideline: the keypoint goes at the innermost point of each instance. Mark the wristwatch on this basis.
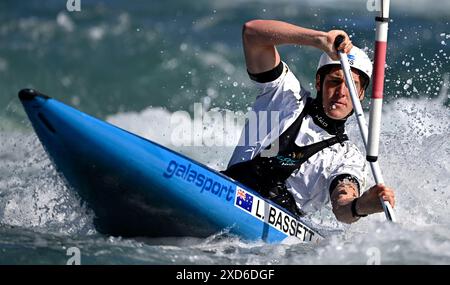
(354, 213)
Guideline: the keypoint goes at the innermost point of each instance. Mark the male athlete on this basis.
(315, 163)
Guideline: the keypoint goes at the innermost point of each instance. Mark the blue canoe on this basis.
(139, 188)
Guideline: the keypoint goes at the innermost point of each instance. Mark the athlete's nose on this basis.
(342, 89)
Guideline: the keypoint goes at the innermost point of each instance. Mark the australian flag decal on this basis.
(244, 200)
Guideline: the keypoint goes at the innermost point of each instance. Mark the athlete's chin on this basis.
(337, 114)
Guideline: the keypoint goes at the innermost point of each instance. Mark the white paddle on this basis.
(389, 212)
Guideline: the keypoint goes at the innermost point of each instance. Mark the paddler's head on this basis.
(330, 83)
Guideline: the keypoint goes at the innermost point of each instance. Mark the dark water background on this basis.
(134, 63)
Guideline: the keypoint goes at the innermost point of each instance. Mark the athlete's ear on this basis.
(318, 82)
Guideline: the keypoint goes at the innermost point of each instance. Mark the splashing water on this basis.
(415, 160)
(175, 53)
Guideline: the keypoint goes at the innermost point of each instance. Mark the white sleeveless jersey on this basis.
(285, 99)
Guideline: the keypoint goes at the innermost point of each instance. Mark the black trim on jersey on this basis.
(267, 175)
(332, 126)
(267, 76)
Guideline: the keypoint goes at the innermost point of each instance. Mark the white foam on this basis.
(157, 124)
(33, 195)
(64, 21)
(414, 158)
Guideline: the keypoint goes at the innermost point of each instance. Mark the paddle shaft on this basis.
(389, 212)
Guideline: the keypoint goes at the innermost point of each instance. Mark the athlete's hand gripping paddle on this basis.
(389, 212)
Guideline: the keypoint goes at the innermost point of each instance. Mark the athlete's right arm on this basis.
(260, 38)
